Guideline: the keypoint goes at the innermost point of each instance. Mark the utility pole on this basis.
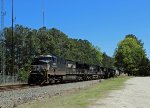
(2, 41)
(12, 39)
(2, 16)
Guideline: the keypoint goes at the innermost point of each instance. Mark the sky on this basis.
(102, 22)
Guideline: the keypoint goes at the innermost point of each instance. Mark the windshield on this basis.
(45, 58)
(39, 67)
(36, 61)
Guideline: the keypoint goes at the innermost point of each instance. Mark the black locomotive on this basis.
(52, 69)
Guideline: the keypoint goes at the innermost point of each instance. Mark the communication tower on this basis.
(43, 13)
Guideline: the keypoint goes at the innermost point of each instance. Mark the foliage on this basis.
(107, 61)
(28, 43)
(22, 75)
(144, 69)
(23, 72)
(129, 55)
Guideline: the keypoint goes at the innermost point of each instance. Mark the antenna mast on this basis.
(43, 13)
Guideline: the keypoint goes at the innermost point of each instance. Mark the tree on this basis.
(129, 55)
(144, 67)
(29, 43)
(107, 61)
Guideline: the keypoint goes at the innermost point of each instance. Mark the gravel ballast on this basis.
(10, 99)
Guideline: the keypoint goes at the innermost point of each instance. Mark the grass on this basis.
(80, 98)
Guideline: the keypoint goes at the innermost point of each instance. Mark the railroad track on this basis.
(4, 88)
(14, 87)
(23, 86)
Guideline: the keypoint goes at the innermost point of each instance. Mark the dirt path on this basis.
(135, 94)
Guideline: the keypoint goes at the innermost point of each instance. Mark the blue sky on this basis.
(103, 22)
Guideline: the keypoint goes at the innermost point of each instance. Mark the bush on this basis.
(23, 73)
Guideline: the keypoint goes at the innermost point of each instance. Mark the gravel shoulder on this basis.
(135, 94)
(10, 99)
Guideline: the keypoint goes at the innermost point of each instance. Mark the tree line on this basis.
(27, 43)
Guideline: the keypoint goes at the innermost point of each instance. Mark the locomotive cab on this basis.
(38, 72)
(40, 68)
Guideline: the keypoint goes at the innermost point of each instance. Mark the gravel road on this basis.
(10, 99)
(135, 94)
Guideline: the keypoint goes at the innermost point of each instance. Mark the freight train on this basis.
(52, 69)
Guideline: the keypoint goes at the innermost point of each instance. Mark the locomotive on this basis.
(52, 69)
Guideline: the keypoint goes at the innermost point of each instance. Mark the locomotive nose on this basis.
(35, 78)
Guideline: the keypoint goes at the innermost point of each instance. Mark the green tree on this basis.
(129, 55)
(28, 43)
(107, 61)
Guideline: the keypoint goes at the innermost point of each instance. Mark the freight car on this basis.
(53, 69)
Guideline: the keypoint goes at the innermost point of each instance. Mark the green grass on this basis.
(80, 98)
